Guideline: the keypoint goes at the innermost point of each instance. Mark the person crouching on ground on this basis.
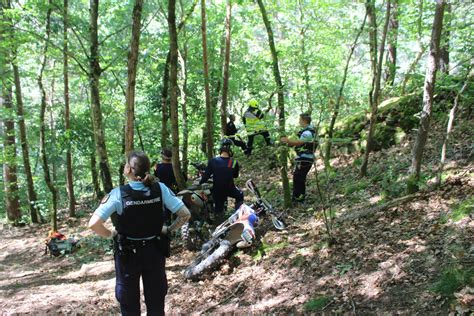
(223, 170)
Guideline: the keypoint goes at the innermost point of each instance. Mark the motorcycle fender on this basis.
(184, 192)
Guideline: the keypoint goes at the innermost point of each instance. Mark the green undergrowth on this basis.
(397, 116)
(317, 304)
(463, 209)
(92, 247)
(453, 279)
(264, 248)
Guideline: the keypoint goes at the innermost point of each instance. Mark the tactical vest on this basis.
(142, 215)
(308, 147)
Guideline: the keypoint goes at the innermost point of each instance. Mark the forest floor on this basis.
(415, 257)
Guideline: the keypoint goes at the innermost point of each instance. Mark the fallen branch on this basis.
(369, 211)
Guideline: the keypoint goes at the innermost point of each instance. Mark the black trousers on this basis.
(299, 180)
(239, 143)
(149, 264)
(220, 197)
(266, 136)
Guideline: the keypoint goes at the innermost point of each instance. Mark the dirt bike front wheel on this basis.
(205, 263)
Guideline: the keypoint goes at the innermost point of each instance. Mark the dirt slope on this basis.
(387, 262)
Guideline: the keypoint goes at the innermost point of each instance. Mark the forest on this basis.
(387, 226)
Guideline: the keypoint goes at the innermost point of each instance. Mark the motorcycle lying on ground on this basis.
(237, 231)
(198, 199)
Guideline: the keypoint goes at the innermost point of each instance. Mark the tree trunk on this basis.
(184, 94)
(164, 90)
(32, 197)
(374, 98)
(52, 134)
(444, 50)
(391, 61)
(421, 49)
(412, 67)
(95, 176)
(209, 117)
(132, 74)
(452, 113)
(67, 123)
(281, 105)
(94, 77)
(327, 155)
(307, 89)
(44, 159)
(184, 107)
(12, 201)
(174, 93)
(430, 80)
(165, 135)
(225, 85)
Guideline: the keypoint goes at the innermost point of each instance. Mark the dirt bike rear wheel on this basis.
(208, 260)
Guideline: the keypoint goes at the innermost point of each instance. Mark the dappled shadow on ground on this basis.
(31, 282)
(383, 263)
(387, 262)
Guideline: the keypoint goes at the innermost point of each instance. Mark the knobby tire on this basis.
(208, 260)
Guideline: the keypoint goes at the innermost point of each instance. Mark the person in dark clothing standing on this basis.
(140, 238)
(305, 145)
(223, 170)
(164, 171)
(231, 132)
(253, 120)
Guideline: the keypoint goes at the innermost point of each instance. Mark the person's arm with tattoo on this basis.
(183, 216)
(177, 207)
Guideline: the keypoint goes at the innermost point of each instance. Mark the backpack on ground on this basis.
(57, 244)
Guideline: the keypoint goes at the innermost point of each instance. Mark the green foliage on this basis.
(343, 268)
(317, 304)
(352, 187)
(412, 184)
(264, 248)
(463, 209)
(92, 246)
(453, 279)
(391, 183)
(323, 28)
(298, 261)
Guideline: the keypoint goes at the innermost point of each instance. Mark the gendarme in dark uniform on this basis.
(305, 146)
(140, 243)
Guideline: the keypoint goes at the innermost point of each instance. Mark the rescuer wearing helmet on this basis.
(223, 169)
(253, 120)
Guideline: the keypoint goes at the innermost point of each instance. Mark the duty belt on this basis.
(124, 244)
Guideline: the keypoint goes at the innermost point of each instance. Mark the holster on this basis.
(164, 245)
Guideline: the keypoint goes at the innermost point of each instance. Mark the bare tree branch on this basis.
(55, 46)
(111, 63)
(112, 34)
(80, 42)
